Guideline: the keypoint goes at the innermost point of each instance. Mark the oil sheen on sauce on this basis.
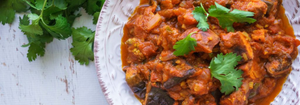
(263, 101)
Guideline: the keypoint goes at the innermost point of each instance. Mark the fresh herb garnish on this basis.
(222, 68)
(83, 39)
(8, 9)
(224, 15)
(185, 45)
(53, 19)
(37, 38)
(201, 16)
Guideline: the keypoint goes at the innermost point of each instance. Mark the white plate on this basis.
(109, 32)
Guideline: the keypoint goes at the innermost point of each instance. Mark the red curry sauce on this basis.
(157, 77)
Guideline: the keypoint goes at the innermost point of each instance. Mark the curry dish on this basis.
(157, 76)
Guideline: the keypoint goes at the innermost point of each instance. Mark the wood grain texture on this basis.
(55, 79)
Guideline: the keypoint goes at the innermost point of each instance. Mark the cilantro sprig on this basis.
(185, 45)
(201, 16)
(51, 19)
(8, 9)
(83, 39)
(222, 68)
(224, 15)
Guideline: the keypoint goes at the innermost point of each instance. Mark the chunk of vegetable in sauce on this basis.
(261, 40)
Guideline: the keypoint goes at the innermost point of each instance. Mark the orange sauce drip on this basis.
(124, 52)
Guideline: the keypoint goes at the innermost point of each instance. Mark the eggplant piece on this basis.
(157, 96)
(217, 95)
(239, 97)
(206, 99)
(206, 41)
(238, 43)
(135, 81)
(263, 89)
(176, 80)
(132, 76)
(254, 92)
(139, 90)
(270, 5)
(279, 66)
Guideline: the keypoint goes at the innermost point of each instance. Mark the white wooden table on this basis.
(55, 79)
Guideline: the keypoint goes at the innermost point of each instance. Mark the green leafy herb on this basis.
(185, 45)
(34, 28)
(93, 6)
(83, 40)
(8, 8)
(73, 6)
(37, 43)
(224, 15)
(61, 29)
(96, 16)
(53, 19)
(222, 68)
(201, 16)
(39, 32)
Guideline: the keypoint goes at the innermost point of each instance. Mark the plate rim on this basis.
(96, 46)
(98, 43)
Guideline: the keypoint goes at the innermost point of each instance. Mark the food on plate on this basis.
(207, 52)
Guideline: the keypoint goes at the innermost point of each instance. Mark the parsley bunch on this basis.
(53, 19)
(224, 15)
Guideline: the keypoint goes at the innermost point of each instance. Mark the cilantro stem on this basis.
(192, 33)
(32, 6)
(204, 11)
(225, 16)
(42, 11)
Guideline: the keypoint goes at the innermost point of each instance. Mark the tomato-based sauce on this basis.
(158, 77)
(289, 31)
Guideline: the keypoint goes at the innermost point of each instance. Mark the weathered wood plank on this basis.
(55, 79)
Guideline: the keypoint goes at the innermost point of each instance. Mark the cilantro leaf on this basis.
(37, 4)
(96, 16)
(54, 8)
(227, 18)
(83, 40)
(224, 15)
(8, 9)
(36, 42)
(7, 15)
(222, 68)
(18, 5)
(61, 4)
(101, 4)
(35, 49)
(34, 28)
(24, 20)
(200, 15)
(93, 6)
(185, 45)
(37, 45)
(53, 19)
(61, 29)
(73, 6)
